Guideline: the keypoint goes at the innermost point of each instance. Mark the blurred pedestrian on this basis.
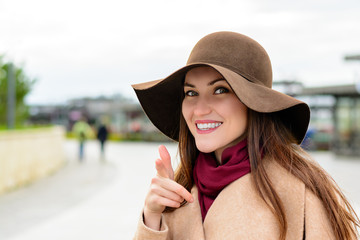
(102, 136)
(242, 173)
(82, 131)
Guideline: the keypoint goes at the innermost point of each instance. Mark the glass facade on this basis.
(347, 125)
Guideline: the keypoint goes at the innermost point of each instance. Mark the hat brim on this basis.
(161, 101)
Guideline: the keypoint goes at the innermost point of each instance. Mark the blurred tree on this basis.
(23, 86)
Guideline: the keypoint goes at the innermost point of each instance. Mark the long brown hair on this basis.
(267, 133)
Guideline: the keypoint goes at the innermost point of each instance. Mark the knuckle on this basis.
(154, 180)
(153, 188)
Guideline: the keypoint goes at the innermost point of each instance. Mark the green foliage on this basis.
(23, 86)
(23, 128)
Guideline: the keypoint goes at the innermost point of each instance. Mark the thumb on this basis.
(166, 160)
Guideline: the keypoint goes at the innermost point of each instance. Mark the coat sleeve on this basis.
(143, 232)
(317, 224)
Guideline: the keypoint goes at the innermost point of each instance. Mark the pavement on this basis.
(101, 198)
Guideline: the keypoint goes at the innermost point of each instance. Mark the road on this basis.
(102, 199)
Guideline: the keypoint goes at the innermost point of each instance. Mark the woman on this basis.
(242, 173)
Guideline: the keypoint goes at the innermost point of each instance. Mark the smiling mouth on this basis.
(207, 126)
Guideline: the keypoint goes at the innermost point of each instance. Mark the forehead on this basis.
(201, 74)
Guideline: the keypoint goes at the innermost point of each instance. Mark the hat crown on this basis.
(236, 52)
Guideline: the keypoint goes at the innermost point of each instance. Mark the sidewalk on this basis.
(92, 200)
(345, 171)
(97, 200)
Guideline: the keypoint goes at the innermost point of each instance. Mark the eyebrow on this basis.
(209, 84)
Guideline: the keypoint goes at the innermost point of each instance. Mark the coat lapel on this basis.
(239, 209)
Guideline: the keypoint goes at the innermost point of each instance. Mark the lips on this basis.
(206, 126)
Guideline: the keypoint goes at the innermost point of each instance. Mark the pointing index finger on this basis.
(160, 168)
(166, 160)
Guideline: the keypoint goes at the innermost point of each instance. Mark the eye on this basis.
(221, 90)
(191, 93)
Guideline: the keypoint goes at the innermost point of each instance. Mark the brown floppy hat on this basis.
(244, 64)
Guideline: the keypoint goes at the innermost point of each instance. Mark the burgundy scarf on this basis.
(210, 178)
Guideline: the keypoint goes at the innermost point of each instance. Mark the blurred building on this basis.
(334, 124)
(123, 116)
(335, 115)
(48, 114)
(344, 113)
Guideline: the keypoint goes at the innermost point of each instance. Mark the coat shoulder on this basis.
(315, 221)
(317, 224)
(291, 191)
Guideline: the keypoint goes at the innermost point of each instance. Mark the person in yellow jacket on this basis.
(82, 131)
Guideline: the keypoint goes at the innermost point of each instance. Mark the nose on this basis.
(202, 107)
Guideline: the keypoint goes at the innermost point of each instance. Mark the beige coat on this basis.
(239, 213)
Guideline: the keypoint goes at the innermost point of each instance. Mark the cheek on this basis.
(186, 112)
(241, 115)
(237, 111)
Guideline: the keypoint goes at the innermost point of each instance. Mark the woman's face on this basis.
(214, 114)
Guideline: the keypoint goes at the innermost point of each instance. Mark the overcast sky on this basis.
(81, 48)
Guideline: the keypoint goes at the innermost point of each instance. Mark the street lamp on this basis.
(11, 97)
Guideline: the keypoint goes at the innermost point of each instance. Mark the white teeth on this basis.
(207, 126)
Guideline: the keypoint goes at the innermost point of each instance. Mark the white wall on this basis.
(27, 155)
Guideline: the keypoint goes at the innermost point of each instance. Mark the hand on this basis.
(164, 191)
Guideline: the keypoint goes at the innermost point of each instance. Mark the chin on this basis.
(205, 147)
